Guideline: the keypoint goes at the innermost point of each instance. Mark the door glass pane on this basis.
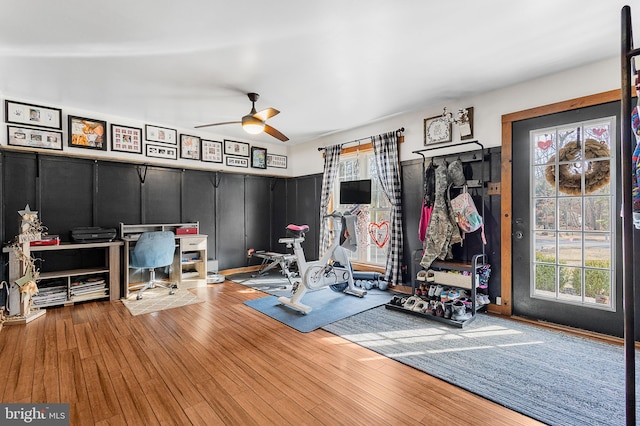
(545, 213)
(545, 280)
(597, 250)
(570, 283)
(543, 181)
(597, 213)
(570, 214)
(544, 147)
(545, 246)
(570, 248)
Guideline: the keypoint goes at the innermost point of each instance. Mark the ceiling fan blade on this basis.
(217, 124)
(266, 114)
(275, 133)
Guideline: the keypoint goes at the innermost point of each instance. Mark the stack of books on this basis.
(89, 288)
(55, 293)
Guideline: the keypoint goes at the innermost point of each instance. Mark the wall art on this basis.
(160, 134)
(33, 115)
(34, 138)
(237, 162)
(190, 147)
(126, 139)
(162, 151)
(277, 161)
(436, 130)
(211, 151)
(258, 158)
(87, 133)
(236, 148)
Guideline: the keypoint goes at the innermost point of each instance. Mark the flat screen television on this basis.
(355, 192)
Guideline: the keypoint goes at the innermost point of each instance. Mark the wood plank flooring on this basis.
(219, 362)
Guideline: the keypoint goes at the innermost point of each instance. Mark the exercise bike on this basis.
(332, 270)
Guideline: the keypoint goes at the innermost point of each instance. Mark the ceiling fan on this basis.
(254, 122)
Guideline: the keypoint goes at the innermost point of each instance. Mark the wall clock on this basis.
(436, 130)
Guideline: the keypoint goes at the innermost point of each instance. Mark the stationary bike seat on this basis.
(298, 230)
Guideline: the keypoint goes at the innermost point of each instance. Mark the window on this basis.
(573, 215)
(373, 220)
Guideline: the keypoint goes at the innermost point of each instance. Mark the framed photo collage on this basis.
(40, 127)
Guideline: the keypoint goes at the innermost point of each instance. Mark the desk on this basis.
(189, 267)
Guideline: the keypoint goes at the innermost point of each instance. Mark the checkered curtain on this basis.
(385, 148)
(331, 161)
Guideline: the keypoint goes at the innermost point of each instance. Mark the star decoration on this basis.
(26, 211)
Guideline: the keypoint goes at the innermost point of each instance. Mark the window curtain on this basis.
(385, 148)
(331, 162)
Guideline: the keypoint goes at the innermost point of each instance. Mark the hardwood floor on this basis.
(219, 362)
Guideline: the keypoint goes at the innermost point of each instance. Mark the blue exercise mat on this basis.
(328, 306)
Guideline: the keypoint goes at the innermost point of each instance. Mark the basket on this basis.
(453, 279)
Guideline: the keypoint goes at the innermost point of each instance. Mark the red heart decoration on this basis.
(379, 232)
(599, 132)
(544, 145)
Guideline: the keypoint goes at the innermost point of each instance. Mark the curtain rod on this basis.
(322, 148)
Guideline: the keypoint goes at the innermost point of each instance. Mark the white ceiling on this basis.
(328, 65)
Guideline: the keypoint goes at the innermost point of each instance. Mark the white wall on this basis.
(488, 110)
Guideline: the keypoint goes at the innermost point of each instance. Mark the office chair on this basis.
(154, 250)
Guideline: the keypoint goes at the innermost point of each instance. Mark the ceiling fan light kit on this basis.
(252, 125)
(255, 122)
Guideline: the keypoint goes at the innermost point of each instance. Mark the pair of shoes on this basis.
(439, 311)
(396, 301)
(422, 275)
(410, 302)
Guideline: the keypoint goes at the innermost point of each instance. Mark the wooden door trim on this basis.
(506, 204)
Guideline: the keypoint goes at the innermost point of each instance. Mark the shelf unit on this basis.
(468, 282)
(477, 260)
(109, 271)
(189, 267)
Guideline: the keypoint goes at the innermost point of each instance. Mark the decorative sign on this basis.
(379, 232)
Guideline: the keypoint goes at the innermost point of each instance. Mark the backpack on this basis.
(466, 214)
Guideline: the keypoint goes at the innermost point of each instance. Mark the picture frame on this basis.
(126, 139)
(258, 157)
(237, 161)
(437, 130)
(32, 115)
(160, 134)
(87, 133)
(239, 149)
(211, 151)
(34, 138)
(277, 161)
(189, 147)
(161, 151)
(466, 127)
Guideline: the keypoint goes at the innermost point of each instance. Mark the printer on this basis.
(93, 234)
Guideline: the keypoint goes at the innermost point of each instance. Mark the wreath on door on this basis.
(596, 176)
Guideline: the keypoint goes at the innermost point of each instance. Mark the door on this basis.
(565, 223)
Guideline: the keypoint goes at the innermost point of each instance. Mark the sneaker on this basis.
(447, 310)
(458, 308)
(431, 277)
(422, 275)
(438, 291)
(439, 312)
(480, 300)
(410, 302)
(432, 290)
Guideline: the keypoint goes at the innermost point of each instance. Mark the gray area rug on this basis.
(274, 282)
(553, 377)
